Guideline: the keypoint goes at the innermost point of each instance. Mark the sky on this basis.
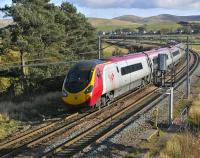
(143, 8)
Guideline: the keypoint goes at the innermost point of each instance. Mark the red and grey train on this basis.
(94, 82)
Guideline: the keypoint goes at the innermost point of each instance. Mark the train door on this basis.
(110, 79)
(124, 78)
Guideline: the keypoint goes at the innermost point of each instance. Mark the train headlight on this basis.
(64, 93)
(89, 90)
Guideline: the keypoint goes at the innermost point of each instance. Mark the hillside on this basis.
(111, 24)
(162, 25)
(130, 18)
(158, 18)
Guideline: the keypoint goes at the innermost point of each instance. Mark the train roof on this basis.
(88, 64)
(126, 57)
(142, 54)
(136, 55)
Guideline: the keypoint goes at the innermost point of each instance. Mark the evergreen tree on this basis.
(42, 30)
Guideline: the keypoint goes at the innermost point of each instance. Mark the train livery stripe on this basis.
(97, 85)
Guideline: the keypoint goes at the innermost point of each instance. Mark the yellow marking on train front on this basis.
(80, 97)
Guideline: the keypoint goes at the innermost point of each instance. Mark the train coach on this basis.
(93, 83)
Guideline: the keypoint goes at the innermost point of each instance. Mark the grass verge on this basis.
(181, 146)
(8, 126)
(111, 50)
(13, 115)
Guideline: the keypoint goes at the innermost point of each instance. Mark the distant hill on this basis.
(101, 21)
(158, 18)
(5, 22)
(130, 23)
(130, 18)
(111, 24)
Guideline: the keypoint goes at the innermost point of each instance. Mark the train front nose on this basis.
(78, 84)
(75, 98)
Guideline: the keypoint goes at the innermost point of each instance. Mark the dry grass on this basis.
(108, 22)
(154, 145)
(111, 24)
(13, 115)
(38, 108)
(196, 48)
(194, 112)
(108, 52)
(181, 146)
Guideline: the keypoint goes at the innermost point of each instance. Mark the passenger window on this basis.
(131, 68)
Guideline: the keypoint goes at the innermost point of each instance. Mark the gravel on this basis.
(129, 137)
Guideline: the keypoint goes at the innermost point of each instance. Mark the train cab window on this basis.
(79, 76)
(155, 60)
(176, 53)
(131, 68)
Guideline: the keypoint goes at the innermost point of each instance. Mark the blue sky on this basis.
(144, 8)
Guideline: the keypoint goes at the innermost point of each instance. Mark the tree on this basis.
(164, 31)
(141, 30)
(42, 30)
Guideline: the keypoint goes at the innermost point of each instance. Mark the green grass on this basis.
(9, 58)
(163, 25)
(113, 24)
(4, 84)
(8, 126)
(110, 28)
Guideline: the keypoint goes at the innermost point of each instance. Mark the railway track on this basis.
(35, 137)
(113, 123)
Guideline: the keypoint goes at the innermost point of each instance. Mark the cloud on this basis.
(141, 4)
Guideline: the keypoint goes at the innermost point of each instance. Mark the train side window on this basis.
(155, 60)
(176, 53)
(123, 71)
(131, 68)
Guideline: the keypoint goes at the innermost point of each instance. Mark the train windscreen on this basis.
(79, 77)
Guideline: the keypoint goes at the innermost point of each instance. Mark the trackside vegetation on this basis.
(36, 51)
(44, 33)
